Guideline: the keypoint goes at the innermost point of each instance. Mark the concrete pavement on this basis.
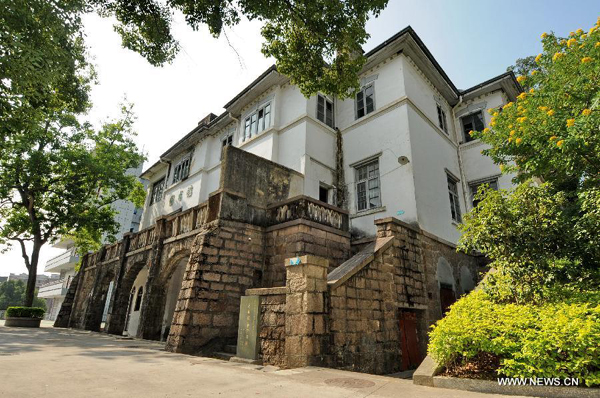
(49, 362)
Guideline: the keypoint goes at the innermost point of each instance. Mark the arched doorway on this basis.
(171, 297)
(135, 302)
(445, 278)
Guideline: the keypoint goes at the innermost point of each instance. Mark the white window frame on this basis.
(466, 136)
(454, 197)
(257, 121)
(363, 101)
(442, 120)
(158, 189)
(363, 185)
(323, 114)
(181, 171)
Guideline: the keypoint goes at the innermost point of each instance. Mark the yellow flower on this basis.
(510, 139)
(538, 58)
(543, 108)
(571, 33)
(597, 44)
(508, 105)
(518, 140)
(501, 167)
(521, 79)
(531, 90)
(544, 35)
(586, 59)
(550, 112)
(486, 130)
(557, 56)
(570, 122)
(583, 36)
(471, 132)
(521, 119)
(586, 112)
(522, 96)
(560, 143)
(490, 111)
(553, 138)
(563, 42)
(495, 114)
(492, 120)
(510, 126)
(592, 30)
(579, 31)
(570, 42)
(534, 72)
(512, 132)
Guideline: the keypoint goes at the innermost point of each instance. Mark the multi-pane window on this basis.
(442, 119)
(182, 169)
(454, 202)
(493, 183)
(157, 191)
(257, 121)
(368, 190)
(325, 110)
(365, 101)
(472, 122)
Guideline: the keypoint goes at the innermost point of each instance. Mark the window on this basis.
(227, 141)
(368, 193)
(492, 182)
(323, 194)
(182, 169)
(472, 122)
(325, 110)
(365, 101)
(138, 299)
(257, 121)
(442, 119)
(454, 202)
(157, 191)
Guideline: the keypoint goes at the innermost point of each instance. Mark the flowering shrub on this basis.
(560, 339)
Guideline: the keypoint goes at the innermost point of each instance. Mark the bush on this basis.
(25, 312)
(550, 340)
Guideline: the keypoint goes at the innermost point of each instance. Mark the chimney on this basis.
(207, 119)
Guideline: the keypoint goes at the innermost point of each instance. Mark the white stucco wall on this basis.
(134, 316)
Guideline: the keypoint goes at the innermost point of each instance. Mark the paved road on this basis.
(63, 363)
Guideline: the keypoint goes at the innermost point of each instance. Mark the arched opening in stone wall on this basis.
(171, 297)
(136, 294)
(467, 282)
(98, 302)
(445, 278)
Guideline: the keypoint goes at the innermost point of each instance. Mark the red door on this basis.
(411, 357)
(447, 297)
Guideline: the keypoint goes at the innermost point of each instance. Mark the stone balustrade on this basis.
(304, 207)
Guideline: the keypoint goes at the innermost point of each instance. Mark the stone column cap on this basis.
(307, 259)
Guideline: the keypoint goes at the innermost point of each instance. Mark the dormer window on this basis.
(472, 122)
(157, 191)
(226, 141)
(325, 110)
(257, 121)
(182, 169)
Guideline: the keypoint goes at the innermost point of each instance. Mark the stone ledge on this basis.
(267, 291)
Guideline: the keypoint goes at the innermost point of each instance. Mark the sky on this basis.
(473, 40)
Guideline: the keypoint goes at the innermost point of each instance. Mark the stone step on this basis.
(225, 356)
(231, 349)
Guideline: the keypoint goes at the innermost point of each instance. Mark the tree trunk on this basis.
(30, 292)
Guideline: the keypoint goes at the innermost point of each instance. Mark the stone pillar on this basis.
(92, 316)
(153, 303)
(117, 309)
(306, 338)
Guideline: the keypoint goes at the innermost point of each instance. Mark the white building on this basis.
(406, 148)
(128, 217)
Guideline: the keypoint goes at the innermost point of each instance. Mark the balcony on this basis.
(63, 261)
(54, 288)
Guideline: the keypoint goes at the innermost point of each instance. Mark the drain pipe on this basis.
(458, 152)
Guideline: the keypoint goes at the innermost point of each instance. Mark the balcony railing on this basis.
(68, 257)
(55, 288)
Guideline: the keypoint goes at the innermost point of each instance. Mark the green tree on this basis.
(12, 293)
(317, 43)
(59, 178)
(547, 231)
(524, 66)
